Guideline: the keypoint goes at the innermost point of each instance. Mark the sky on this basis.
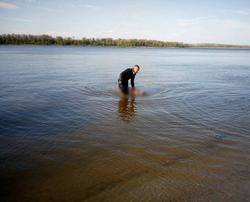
(188, 21)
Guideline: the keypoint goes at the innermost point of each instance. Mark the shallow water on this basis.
(66, 137)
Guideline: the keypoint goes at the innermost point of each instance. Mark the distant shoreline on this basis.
(46, 40)
(147, 47)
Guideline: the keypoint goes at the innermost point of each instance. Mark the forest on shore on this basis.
(27, 39)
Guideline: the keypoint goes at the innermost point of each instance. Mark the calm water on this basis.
(64, 135)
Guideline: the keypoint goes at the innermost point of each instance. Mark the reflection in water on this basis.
(127, 108)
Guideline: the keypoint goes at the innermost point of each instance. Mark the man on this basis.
(125, 76)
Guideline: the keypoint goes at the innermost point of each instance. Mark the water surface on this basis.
(66, 137)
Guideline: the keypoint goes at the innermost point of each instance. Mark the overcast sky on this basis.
(191, 21)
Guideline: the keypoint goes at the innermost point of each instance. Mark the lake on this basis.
(65, 136)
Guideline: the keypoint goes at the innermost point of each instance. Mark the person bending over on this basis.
(127, 74)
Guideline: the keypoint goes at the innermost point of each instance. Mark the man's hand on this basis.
(133, 91)
(136, 92)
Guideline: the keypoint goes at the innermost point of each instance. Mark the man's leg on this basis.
(123, 86)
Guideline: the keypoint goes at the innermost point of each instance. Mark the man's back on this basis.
(127, 74)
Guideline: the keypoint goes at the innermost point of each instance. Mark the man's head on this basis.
(136, 68)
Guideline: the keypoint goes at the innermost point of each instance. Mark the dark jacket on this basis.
(126, 75)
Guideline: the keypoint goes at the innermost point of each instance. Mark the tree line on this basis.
(22, 39)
